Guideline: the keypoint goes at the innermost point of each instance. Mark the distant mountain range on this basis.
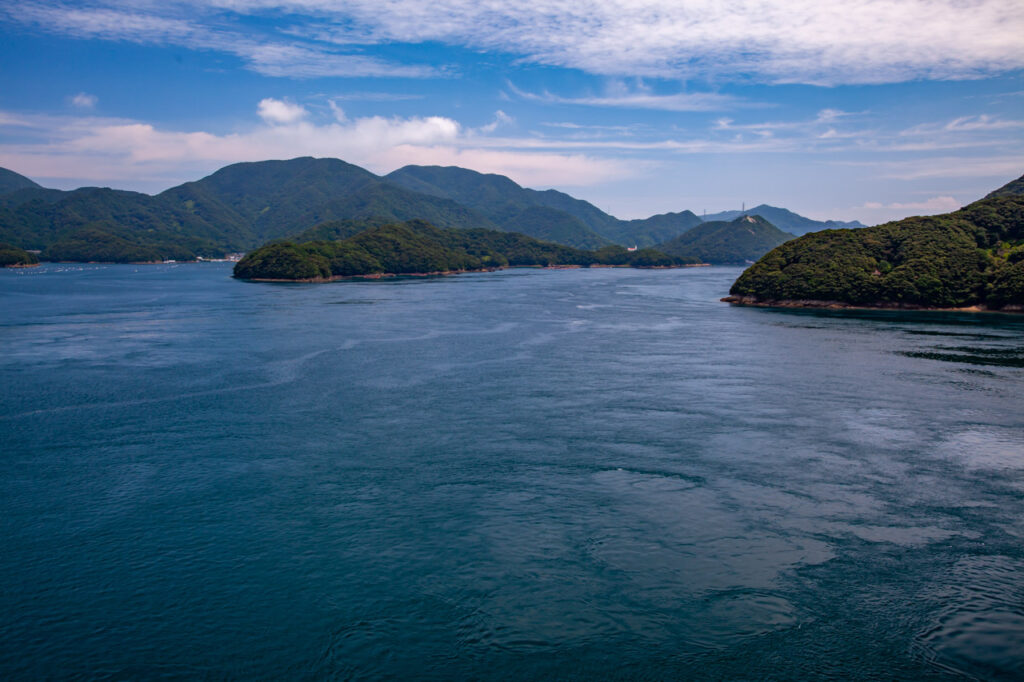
(244, 205)
(785, 220)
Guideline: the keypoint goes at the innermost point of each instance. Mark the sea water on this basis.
(527, 474)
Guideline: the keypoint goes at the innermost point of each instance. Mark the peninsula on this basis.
(972, 258)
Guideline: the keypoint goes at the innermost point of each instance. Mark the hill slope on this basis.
(11, 181)
(572, 221)
(276, 199)
(506, 204)
(1009, 189)
(971, 257)
(744, 239)
(785, 220)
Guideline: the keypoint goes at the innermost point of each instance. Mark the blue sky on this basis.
(846, 109)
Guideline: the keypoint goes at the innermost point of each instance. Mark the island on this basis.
(416, 247)
(970, 259)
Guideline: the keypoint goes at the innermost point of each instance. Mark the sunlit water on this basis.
(527, 474)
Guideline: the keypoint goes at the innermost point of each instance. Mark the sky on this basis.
(837, 109)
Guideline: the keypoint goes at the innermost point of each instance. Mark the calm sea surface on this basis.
(530, 474)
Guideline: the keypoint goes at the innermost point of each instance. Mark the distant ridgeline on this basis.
(244, 205)
(734, 242)
(971, 257)
(416, 247)
(784, 219)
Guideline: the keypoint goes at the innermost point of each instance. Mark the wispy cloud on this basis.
(375, 96)
(84, 100)
(808, 41)
(269, 56)
(623, 98)
(824, 42)
(956, 167)
(977, 123)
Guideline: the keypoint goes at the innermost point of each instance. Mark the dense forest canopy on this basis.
(971, 257)
(416, 247)
(12, 256)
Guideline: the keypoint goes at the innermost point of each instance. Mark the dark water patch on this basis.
(994, 358)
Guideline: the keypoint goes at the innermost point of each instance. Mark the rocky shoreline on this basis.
(842, 305)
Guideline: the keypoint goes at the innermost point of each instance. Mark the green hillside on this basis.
(416, 247)
(48, 222)
(567, 220)
(509, 206)
(13, 257)
(744, 239)
(276, 199)
(974, 256)
(11, 181)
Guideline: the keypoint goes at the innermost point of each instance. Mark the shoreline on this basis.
(445, 273)
(813, 304)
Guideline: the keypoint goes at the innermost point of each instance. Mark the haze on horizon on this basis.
(868, 110)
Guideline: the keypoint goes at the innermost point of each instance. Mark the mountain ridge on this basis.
(243, 205)
(785, 220)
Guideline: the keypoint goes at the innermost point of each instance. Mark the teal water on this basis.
(529, 474)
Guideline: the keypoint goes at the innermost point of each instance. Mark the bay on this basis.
(525, 474)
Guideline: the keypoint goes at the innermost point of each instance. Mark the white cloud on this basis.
(825, 42)
(279, 111)
(119, 152)
(84, 100)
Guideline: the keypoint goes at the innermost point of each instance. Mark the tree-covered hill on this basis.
(13, 257)
(280, 198)
(416, 247)
(11, 181)
(47, 221)
(784, 219)
(739, 241)
(509, 206)
(513, 208)
(971, 257)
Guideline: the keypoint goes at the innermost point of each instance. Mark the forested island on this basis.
(971, 258)
(417, 247)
